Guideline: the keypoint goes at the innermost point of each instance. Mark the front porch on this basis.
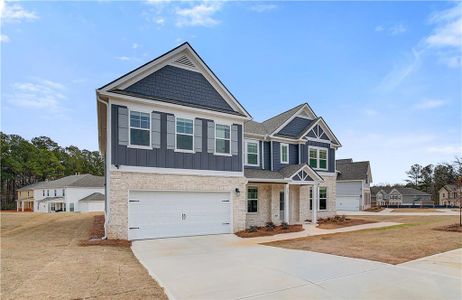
(299, 196)
(25, 205)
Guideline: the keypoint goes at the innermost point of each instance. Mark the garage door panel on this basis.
(170, 214)
(348, 203)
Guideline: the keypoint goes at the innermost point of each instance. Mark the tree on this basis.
(426, 183)
(414, 175)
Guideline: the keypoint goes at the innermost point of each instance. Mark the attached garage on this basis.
(348, 203)
(173, 214)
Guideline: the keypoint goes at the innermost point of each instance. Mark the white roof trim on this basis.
(170, 58)
(309, 171)
(304, 107)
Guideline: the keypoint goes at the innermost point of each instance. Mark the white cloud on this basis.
(379, 28)
(159, 20)
(14, 12)
(430, 104)
(123, 58)
(397, 29)
(4, 38)
(260, 8)
(448, 31)
(446, 149)
(135, 46)
(198, 15)
(401, 71)
(38, 94)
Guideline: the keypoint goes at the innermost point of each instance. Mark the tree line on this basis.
(431, 178)
(25, 162)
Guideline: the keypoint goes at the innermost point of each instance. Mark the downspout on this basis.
(105, 171)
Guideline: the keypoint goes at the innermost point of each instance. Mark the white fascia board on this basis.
(171, 108)
(172, 171)
(168, 59)
(257, 180)
(329, 132)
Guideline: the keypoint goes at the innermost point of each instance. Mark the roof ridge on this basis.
(284, 112)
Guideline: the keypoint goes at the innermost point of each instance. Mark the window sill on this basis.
(222, 154)
(250, 165)
(184, 151)
(139, 147)
(252, 213)
(284, 163)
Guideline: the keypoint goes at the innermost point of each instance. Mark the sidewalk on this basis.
(388, 212)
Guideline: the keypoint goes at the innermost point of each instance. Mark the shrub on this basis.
(252, 228)
(270, 226)
(284, 225)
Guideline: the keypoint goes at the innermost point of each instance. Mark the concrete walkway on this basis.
(389, 212)
(222, 267)
(311, 230)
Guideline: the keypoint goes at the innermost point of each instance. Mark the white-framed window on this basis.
(55, 193)
(71, 206)
(48, 193)
(252, 157)
(284, 153)
(222, 139)
(64, 193)
(184, 135)
(322, 198)
(252, 199)
(317, 158)
(140, 129)
(43, 193)
(311, 198)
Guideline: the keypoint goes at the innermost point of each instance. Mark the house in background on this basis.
(25, 200)
(353, 185)
(184, 158)
(450, 195)
(400, 196)
(79, 193)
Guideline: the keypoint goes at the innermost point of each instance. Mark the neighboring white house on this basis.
(353, 185)
(70, 194)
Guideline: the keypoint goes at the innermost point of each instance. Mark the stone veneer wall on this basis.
(121, 182)
(331, 184)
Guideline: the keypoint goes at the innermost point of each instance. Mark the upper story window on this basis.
(222, 139)
(284, 153)
(140, 129)
(252, 155)
(55, 193)
(48, 193)
(64, 194)
(318, 158)
(184, 134)
(43, 193)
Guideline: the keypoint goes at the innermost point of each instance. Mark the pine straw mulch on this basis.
(268, 231)
(341, 221)
(96, 233)
(374, 209)
(450, 228)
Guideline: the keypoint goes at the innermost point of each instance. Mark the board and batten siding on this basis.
(330, 155)
(168, 158)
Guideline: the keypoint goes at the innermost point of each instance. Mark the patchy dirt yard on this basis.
(41, 258)
(413, 239)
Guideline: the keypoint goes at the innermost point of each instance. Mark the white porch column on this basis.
(17, 205)
(286, 203)
(22, 205)
(314, 210)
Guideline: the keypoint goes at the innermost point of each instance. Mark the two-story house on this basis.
(184, 158)
(450, 195)
(353, 185)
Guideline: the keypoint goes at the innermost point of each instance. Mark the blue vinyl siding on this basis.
(168, 158)
(331, 154)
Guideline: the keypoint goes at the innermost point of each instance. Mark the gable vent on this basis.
(184, 60)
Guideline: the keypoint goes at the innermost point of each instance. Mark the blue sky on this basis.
(385, 76)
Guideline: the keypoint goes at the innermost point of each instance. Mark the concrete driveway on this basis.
(226, 267)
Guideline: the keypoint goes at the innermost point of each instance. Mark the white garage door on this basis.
(91, 206)
(174, 214)
(349, 203)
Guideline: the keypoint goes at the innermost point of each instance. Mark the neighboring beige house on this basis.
(449, 195)
(400, 196)
(25, 200)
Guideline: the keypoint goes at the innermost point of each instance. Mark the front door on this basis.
(281, 206)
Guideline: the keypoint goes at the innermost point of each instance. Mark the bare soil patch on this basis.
(374, 209)
(414, 210)
(96, 234)
(450, 228)
(341, 221)
(41, 258)
(413, 239)
(264, 231)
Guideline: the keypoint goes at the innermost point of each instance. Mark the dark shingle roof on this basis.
(270, 125)
(84, 180)
(262, 174)
(275, 122)
(32, 186)
(352, 170)
(450, 187)
(93, 197)
(296, 127)
(179, 86)
(344, 161)
(50, 198)
(290, 170)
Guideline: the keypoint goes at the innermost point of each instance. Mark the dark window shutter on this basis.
(123, 125)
